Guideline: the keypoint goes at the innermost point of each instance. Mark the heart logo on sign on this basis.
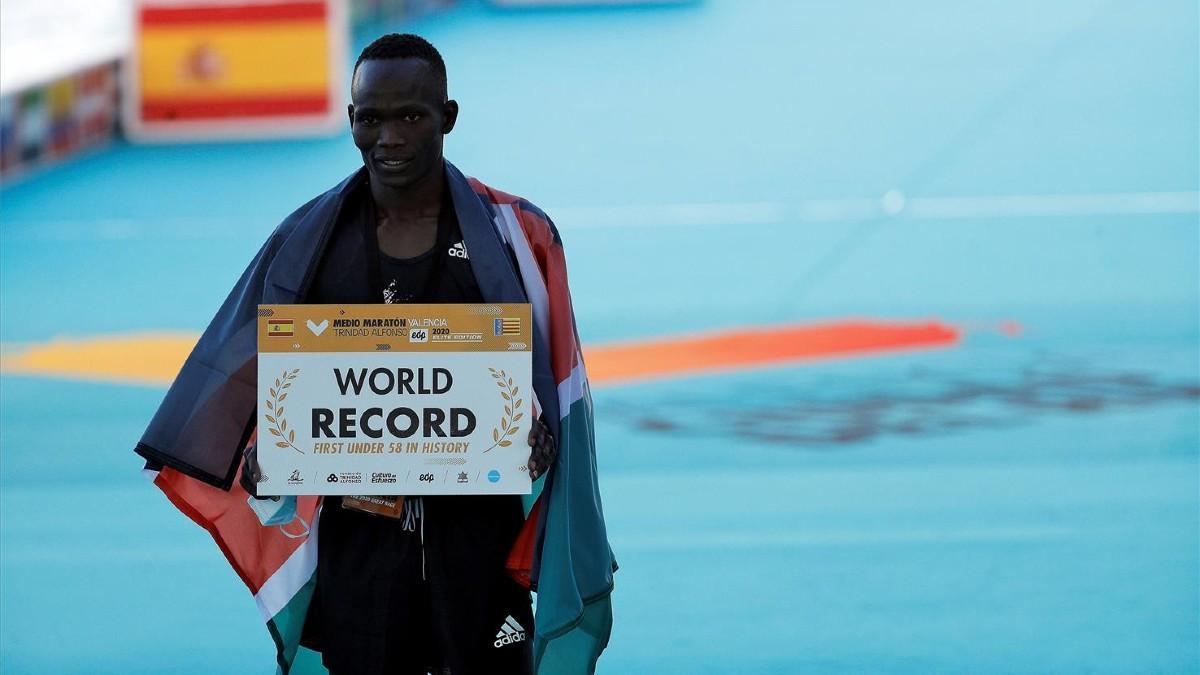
(318, 328)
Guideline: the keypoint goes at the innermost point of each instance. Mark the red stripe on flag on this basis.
(552, 261)
(520, 557)
(234, 106)
(186, 16)
(255, 552)
(564, 350)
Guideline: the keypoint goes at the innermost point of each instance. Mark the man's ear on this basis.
(449, 115)
(350, 113)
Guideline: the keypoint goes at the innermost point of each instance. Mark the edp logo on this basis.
(426, 478)
(418, 335)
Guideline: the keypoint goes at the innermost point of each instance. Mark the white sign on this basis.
(394, 399)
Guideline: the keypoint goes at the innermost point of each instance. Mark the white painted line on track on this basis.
(893, 204)
(1132, 203)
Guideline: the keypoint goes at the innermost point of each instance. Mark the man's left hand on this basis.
(543, 449)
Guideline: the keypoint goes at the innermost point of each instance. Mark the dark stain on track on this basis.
(826, 412)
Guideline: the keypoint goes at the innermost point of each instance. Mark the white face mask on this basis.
(280, 512)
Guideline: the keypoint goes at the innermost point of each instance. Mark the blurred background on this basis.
(930, 272)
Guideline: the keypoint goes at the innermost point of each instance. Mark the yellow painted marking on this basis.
(144, 358)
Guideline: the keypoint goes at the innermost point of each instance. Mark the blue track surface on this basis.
(1015, 504)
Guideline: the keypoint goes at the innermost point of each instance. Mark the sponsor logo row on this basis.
(386, 478)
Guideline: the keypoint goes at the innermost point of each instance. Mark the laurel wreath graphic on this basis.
(279, 428)
(508, 422)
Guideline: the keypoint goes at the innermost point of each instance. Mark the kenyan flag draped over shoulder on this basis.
(575, 576)
(562, 552)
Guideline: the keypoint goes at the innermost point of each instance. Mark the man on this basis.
(444, 587)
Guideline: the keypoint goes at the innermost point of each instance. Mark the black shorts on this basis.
(432, 600)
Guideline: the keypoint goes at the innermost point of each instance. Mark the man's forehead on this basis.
(410, 77)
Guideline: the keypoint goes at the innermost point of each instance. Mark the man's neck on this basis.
(412, 203)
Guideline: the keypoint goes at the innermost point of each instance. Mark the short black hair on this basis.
(403, 46)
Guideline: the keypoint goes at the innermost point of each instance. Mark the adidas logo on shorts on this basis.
(510, 633)
(458, 250)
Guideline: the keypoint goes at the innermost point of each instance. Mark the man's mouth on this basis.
(393, 164)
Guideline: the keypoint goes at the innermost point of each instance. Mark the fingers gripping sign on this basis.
(271, 511)
(543, 449)
(251, 473)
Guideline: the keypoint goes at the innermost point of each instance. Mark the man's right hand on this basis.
(251, 473)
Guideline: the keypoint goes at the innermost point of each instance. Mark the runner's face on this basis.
(398, 118)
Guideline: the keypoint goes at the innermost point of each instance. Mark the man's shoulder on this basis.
(324, 204)
(532, 218)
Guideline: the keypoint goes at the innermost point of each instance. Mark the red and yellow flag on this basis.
(247, 61)
(280, 328)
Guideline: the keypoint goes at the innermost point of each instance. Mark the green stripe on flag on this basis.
(574, 609)
(285, 628)
(576, 650)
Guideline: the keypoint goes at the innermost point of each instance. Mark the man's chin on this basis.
(393, 181)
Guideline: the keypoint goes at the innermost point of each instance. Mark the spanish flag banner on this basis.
(280, 328)
(212, 69)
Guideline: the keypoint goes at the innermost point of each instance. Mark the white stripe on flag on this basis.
(530, 272)
(501, 225)
(283, 585)
(570, 390)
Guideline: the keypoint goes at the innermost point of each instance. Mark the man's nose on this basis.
(390, 134)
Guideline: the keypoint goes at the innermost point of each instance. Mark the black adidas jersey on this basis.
(440, 275)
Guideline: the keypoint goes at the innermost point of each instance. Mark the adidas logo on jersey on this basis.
(459, 251)
(510, 633)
